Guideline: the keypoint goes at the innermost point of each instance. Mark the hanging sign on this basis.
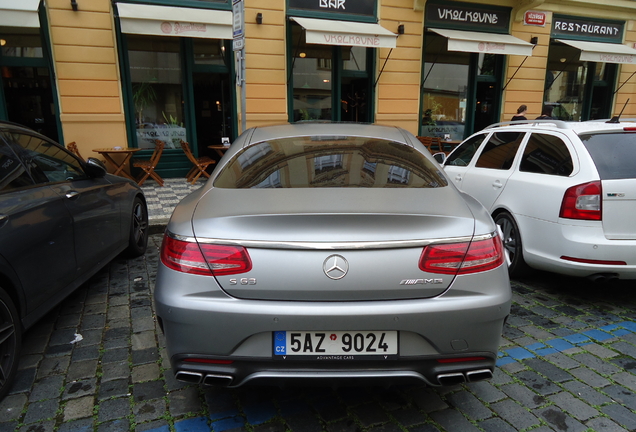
(534, 18)
(238, 25)
(364, 8)
(467, 16)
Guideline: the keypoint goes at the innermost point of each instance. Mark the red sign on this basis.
(534, 18)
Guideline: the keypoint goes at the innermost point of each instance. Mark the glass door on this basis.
(26, 94)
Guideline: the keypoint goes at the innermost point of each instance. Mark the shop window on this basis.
(577, 90)
(26, 81)
(21, 42)
(157, 92)
(312, 85)
(329, 82)
(444, 90)
(209, 52)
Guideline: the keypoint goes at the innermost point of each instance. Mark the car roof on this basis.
(390, 133)
(592, 126)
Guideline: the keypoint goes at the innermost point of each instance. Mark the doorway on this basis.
(486, 105)
(27, 87)
(213, 110)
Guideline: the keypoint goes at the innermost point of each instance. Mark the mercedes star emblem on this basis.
(335, 267)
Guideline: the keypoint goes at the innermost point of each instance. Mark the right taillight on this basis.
(462, 258)
(204, 259)
(582, 202)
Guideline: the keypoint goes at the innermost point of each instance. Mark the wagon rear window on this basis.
(329, 161)
(613, 153)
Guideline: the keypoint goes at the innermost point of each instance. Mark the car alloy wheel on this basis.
(513, 249)
(138, 230)
(10, 341)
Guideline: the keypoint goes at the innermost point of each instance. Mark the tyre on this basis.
(138, 237)
(10, 342)
(513, 248)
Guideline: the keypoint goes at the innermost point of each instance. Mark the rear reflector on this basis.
(462, 258)
(460, 359)
(209, 361)
(591, 261)
(204, 259)
(629, 129)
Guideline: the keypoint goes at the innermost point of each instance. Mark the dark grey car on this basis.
(61, 220)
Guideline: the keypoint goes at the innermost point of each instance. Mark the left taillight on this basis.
(462, 258)
(204, 259)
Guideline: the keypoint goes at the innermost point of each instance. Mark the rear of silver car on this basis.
(268, 285)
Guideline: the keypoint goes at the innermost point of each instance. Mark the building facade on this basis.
(108, 73)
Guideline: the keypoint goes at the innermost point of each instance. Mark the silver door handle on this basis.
(71, 194)
(497, 184)
(458, 177)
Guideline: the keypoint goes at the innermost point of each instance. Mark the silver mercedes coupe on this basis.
(333, 253)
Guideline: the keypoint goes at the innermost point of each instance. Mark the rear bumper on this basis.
(200, 320)
(270, 372)
(550, 241)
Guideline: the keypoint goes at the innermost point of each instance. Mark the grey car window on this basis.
(613, 153)
(13, 174)
(546, 154)
(500, 150)
(47, 162)
(329, 161)
(463, 155)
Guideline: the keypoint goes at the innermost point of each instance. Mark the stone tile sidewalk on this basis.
(98, 363)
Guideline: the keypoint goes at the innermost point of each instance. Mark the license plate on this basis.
(335, 345)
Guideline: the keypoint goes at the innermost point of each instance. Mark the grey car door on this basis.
(94, 203)
(36, 229)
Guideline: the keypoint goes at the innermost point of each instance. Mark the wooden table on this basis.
(119, 166)
(220, 149)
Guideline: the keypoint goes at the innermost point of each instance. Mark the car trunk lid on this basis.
(366, 246)
(619, 209)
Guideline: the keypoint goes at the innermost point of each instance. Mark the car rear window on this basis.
(614, 154)
(329, 161)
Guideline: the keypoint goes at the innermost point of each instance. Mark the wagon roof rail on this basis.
(559, 123)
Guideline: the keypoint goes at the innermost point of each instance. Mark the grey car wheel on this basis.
(10, 341)
(512, 245)
(138, 240)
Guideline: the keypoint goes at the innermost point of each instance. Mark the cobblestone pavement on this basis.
(567, 363)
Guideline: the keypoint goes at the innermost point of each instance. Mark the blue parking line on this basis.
(574, 340)
(198, 424)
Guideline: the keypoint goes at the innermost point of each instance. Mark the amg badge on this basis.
(421, 281)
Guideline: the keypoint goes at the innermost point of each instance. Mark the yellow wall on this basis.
(398, 90)
(525, 84)
(88, 74)
(266, 91)
(87, 69)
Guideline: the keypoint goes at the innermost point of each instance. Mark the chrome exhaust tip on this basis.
(189, 377)
(479, 375)
(451, 379)
(217, 380)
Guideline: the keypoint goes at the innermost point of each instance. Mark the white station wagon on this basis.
(563, 193)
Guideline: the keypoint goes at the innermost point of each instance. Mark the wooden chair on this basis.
(200, 164)
(73, 148)
(148, 166)
(433, 144)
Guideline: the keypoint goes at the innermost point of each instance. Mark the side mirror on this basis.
(95, 168)
(440, 157)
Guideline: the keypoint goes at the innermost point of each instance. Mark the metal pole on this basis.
(243, 97)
